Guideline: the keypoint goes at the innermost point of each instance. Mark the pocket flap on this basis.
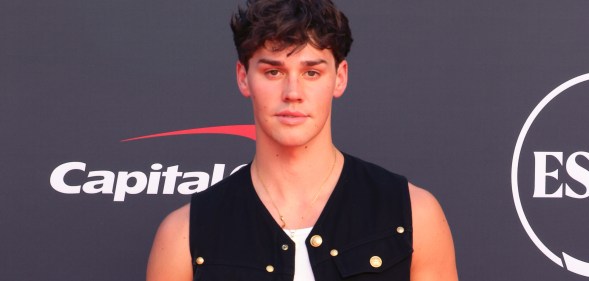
(374, 255)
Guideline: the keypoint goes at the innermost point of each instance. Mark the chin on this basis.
(292, 140)
(290, 137)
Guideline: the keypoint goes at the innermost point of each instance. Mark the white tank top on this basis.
(303, 271)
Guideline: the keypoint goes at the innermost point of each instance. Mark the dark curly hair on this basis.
(287, 23)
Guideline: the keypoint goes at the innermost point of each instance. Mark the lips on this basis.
(291, 117)
(288, 113)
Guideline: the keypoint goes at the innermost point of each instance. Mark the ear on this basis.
(241, 75)
(341, 80)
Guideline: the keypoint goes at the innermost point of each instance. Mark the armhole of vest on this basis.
(407, 209)
(192, 231)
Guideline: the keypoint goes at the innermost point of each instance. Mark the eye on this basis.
(273, 73)
(312, 74)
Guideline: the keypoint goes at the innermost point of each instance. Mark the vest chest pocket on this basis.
(375, 255)
(227, 272)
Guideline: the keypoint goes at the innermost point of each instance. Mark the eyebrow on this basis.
(314, 62)
(280, 63)
(270, 62)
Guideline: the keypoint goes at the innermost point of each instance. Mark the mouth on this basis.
(291, 114)
(291, 117)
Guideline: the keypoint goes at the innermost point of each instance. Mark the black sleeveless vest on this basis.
(363, 233)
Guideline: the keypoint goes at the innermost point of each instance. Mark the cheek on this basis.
(260, 109)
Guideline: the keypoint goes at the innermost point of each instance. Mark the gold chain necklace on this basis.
(283, 222)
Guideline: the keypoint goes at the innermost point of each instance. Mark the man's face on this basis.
(292, 93)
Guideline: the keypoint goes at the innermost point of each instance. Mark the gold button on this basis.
(334, 253)
(270, 268)
(284, 247)
(316, 241)
(376, 262)
(400, 230)
(200, 260)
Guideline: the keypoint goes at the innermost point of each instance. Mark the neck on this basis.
(295, 183)
(295, 171)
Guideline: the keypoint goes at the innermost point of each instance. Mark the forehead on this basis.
(306, 52)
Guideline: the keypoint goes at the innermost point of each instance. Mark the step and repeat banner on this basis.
(113, 112)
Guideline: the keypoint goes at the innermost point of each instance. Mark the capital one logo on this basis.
(550, 175)
(158, 180)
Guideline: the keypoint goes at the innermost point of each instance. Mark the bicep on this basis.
(170, 254)
(433, 257)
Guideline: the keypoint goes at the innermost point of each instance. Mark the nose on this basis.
(292, 89)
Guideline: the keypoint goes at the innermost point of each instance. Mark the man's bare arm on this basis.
(433, 256)
(170, 258)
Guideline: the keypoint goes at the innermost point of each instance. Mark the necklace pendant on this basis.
(282, 222)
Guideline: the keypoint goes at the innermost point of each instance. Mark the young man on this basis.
(302, 210)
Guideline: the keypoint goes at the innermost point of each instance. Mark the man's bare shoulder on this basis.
(433, 256)
(170, 254)
(423, 201)
(175, 226)
(178, 219)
